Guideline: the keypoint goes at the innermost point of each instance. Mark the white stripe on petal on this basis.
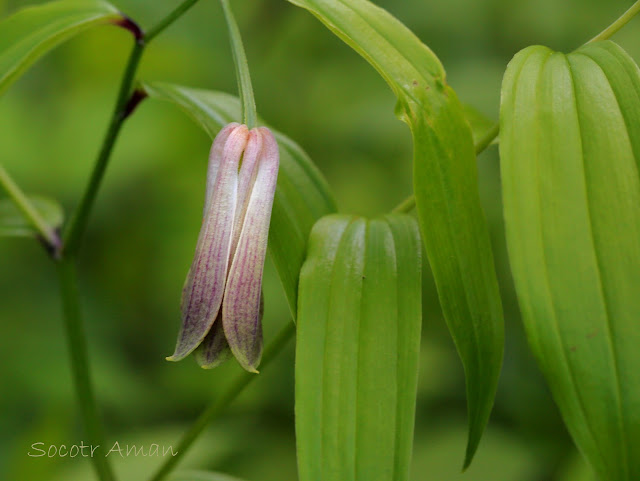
(246, 179)
(204, 288)
(241, 305)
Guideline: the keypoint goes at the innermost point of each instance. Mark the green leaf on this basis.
(302, 195)
(14, 224)
(33, 31)
(200, 476)
(357, 349)
(453, 226)
(570, 149)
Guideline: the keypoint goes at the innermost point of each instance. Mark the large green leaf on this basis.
(31, 32)
(358, 341)
(452, 223)
(13, 222)
(302, 195)
(570, 149)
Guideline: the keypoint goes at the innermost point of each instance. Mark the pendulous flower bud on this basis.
(221, 299)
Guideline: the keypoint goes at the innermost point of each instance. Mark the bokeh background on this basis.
(142, 234)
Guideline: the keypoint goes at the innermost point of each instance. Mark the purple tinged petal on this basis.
(215, 156)
(204, 287)
(214, 350)
(241, 305)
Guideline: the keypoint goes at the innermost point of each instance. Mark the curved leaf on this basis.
(302, 195)
(570, 149)
(14, 224)
(358, 342)
(31, 32)
(452, 223)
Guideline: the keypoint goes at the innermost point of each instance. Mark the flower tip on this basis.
(248, 365)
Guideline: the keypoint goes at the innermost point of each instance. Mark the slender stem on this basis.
(409, 203)
(169, 19)
(80, 364)
(78, 224)
(22, 202)
(125, 103)
(218, 406)
(245, 90)
(405, 206)
(485, 141)
(618, 24)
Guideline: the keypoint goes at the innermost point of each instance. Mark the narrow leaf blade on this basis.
(358, 343)
(302, 195)
(33, 31)
(14, 224)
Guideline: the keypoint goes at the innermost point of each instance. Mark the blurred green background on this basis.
(143, 232)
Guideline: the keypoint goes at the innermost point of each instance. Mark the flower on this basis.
(221, 299)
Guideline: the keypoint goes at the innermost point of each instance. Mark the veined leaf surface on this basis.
(358, 343)
(31, 32)
(452, 223)
(570, 156)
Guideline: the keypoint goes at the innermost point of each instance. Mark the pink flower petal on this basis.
(241, 305)
(204, 287)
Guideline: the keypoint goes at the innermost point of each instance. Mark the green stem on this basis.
(245, 90)
(618, 24)
(46, 231)
(405, 206)
(80, 364)
(169, 19)
(72, 240)
(409, 203)
(78, 224)
(218, 406)
(485, 141)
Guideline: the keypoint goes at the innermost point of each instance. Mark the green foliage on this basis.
(358, 340)
(452, 223)
(302, 195)
(13, 222)
(32, 32)
(570, 149)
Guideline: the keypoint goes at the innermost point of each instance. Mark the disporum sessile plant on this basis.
(221, 299)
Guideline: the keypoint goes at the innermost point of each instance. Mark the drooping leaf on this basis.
(302, 195)
(358, 341)
(570, 150)
(452, 222)
(14, 224)
(31, 32)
